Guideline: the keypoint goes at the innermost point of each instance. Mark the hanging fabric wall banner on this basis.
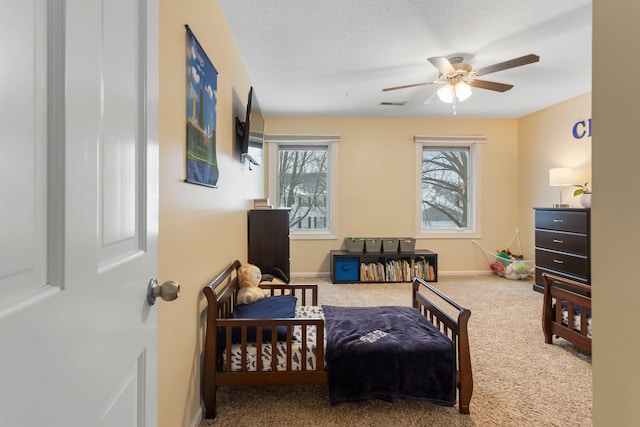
(202, 87)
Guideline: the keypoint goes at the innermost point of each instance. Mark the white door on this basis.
(78, 212)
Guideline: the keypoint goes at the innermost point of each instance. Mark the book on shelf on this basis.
(372, 272)
(261, 204)
(397, 270)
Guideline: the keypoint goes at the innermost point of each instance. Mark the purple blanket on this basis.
(388, 353)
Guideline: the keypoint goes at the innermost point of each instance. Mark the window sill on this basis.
(448, 234)
(317, 235)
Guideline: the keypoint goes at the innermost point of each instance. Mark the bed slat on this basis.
(559, 290)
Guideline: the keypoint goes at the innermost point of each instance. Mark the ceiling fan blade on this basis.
(484, 84)
(443, 65)
(512, 63)
(406, 86)
(432, 98)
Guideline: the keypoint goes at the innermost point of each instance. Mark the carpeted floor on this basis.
(518, 379)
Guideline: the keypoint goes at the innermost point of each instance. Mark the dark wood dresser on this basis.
(269, 240)
(563, 244)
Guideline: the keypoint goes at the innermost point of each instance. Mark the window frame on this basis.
(474, 144)
(273, 143)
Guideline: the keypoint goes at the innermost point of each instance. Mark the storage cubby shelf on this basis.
(354, 267)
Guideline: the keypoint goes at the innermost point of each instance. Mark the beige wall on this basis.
(546, 141)
(202, 229)
(616, 156)
(515, 164)
(376, 185)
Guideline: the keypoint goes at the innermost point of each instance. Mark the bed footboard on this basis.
(429, 301)
(221, 300)
(561, 294)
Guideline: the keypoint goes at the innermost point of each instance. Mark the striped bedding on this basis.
(281, 348)
(576, 318)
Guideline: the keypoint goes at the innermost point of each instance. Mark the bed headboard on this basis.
(221, 292)
(221, 298)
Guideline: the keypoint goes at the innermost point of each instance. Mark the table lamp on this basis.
(560, 177)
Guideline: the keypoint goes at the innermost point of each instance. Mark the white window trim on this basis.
(474, 142)
(273, 142)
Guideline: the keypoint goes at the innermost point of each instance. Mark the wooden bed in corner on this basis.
(574, 298)
(217, 371)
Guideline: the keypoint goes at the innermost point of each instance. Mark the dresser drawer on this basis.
(575, 265)
(563, 242)
(576, 222)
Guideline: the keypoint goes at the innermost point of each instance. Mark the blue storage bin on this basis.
(347, 269)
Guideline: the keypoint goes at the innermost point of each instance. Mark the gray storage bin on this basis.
(355, 244)
(372, 244)
(407, 244)
(390, 245)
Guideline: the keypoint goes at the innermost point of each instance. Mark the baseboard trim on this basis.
(197, 418)
(464, 273)
(314, 274)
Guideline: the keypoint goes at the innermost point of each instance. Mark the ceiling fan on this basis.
(459, 77)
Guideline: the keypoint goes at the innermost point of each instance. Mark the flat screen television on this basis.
(250, 133)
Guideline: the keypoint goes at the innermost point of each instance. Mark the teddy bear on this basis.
(249, 279)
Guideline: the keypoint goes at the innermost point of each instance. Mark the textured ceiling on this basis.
(334, 57)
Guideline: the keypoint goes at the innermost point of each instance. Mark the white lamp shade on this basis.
(445, 94)
(560, 176)
(463, 91)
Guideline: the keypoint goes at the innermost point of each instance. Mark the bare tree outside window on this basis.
(303, 185)
(445, 188)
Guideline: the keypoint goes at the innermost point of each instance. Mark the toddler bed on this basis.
(566, 299)
(304, 343)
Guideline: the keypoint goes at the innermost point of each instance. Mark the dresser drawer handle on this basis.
(558, 261)
(558, 241)
(558, 220)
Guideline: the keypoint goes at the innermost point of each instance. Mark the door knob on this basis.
(168, 291)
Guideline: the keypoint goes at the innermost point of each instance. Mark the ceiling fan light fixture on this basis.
(461, 91)
(445, 93)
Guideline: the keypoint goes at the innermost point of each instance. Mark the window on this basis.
(447, 179)
(301, 177)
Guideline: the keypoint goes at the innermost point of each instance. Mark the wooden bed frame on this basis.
(221, 300)
(556, 291)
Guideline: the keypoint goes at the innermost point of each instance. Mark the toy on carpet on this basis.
(249, 280)
(507, 264)
(510, 265)
(517, 270)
